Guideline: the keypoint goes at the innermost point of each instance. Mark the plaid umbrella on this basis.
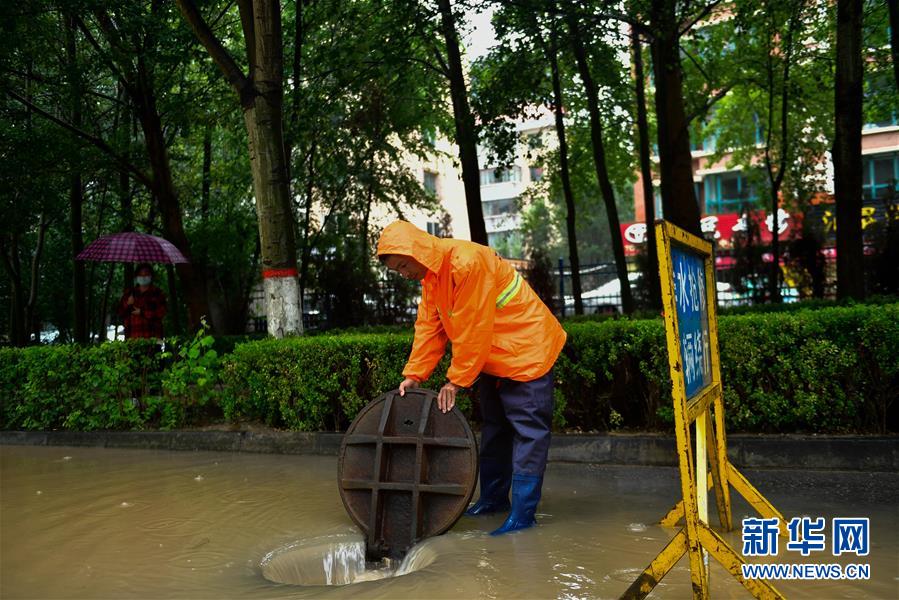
(131, 246)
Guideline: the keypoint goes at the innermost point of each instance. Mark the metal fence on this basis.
(738, 284)
(388, 302)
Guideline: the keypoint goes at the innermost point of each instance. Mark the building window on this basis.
(657, 198)
(434, 229)
(494, 208)
(759, 130)
(706, 145)
(536, 173)
(726, 192)
(500, 175)
(880, 176)
(430, 182)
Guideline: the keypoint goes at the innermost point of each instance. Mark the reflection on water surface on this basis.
(104, 523)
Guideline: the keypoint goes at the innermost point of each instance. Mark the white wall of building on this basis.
(503, 188)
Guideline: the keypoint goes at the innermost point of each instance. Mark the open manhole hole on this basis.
(336, 560)
(406, 471)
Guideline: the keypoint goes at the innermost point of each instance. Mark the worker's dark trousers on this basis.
(517, 418)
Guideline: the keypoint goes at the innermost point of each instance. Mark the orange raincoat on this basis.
(476, 300)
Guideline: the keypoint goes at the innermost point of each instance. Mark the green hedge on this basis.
(829, 370)
(78, 388)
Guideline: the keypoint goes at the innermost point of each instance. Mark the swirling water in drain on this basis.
(336, 560)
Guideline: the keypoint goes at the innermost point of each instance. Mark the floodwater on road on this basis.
(105, 523)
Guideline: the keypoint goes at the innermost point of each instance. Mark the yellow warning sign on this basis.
(687, 271)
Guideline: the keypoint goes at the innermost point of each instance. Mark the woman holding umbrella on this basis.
(143, 306)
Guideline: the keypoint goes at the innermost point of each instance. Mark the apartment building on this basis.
(722, 189)
(503, 186)
(440, 176)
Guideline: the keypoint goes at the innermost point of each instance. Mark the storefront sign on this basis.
(721, 228)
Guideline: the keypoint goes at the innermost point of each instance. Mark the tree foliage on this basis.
(113, 117)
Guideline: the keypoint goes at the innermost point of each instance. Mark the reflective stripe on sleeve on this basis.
(509, 292)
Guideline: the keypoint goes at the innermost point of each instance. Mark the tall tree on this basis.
(135, 46)
(260, 95)
(76, 193)
(599, 159)
(129, 46)
(651, 275)
(847, 146)
(776, 157)
(360, 115)
(515, 81)
(466, 133)
(679, 203)
(552, 52)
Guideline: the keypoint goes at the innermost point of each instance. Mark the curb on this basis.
(818, 453)
(806, 452)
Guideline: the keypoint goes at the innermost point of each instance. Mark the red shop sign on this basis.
(722, 227)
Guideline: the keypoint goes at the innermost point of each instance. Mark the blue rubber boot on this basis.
(495, 482)
(525, 496)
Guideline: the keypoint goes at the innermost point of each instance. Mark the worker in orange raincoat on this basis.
(503, 337)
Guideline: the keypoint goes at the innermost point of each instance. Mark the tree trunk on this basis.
(209, 277)
(32, 323)
(173, 298)
(570, 210)
(260, 96)
(307, 219)
(263, 118)
(775, 179)
(599, 161)
(679, 203)
(651, 275)
(207, 172)
(95, 326)
(466, 136)
(76, 201)
(76, 196)
(847, 158)
(104, 305)
(364, 258)
(191, 275)
(13, 267)
(127, 208)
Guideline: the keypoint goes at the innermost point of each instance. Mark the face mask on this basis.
(143, 280)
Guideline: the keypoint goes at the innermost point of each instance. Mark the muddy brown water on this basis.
(104, 523)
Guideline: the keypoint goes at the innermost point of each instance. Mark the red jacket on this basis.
(476, 300)
(152, 305)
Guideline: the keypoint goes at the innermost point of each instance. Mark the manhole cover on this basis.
(406, 471)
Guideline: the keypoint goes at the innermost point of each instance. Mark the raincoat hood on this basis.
(477, 301)
(402, 237)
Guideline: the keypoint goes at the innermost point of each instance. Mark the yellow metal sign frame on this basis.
(711, 470)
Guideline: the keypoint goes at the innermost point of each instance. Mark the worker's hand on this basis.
(446, 398)
(407, 384)
(130, 300)
(136, 311)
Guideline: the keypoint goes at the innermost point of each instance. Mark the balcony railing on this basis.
(503, 222)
